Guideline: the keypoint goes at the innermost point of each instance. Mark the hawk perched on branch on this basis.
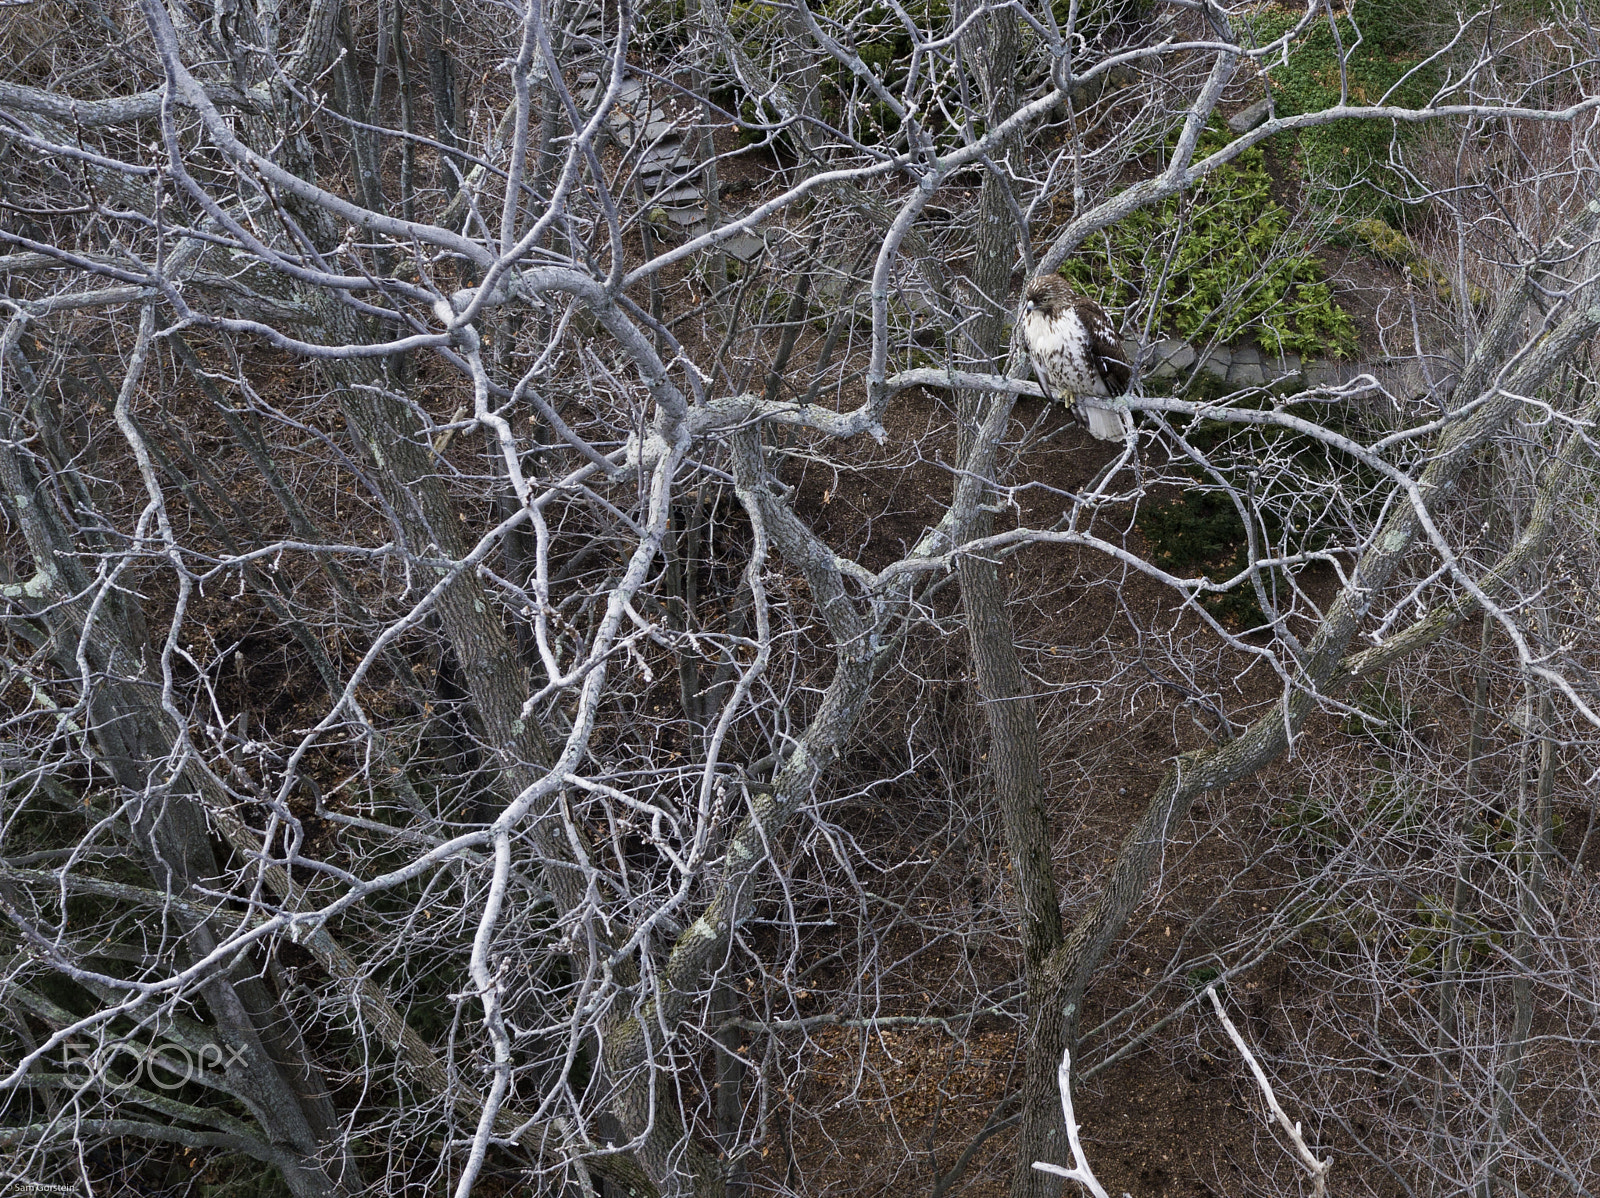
(1077, 354)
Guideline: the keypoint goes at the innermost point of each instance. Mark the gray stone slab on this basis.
(679, 196)
(1179, 355)
(745, 247)
(667, 151)
(1240, 366)
(1246, 374)
(677, 172)
(1165, 359)
(1326, 373)
(1286, 363)
(654, 174)
(1248, 118)
(661, 128)
(631, 110)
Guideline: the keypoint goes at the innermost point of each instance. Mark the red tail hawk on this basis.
(1077, 354)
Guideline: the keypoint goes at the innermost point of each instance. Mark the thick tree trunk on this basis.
(1008, 706)
(1011, 716)
(436, 27)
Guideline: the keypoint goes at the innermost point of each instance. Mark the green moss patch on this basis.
(1383, 50)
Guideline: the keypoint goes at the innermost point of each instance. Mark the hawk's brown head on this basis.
(1050, 295)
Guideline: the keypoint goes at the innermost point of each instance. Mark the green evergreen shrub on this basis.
(1231, 271)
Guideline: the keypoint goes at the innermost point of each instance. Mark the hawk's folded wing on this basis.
(1105, 347)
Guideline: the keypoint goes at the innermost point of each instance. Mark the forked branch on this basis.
(1084, 1175)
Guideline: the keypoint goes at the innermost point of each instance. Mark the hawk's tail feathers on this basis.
(1105, 424)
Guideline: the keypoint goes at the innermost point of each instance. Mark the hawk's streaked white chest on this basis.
(1060, 349)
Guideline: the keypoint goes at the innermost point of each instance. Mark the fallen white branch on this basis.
(1317, 1169)
(1082, 1174)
